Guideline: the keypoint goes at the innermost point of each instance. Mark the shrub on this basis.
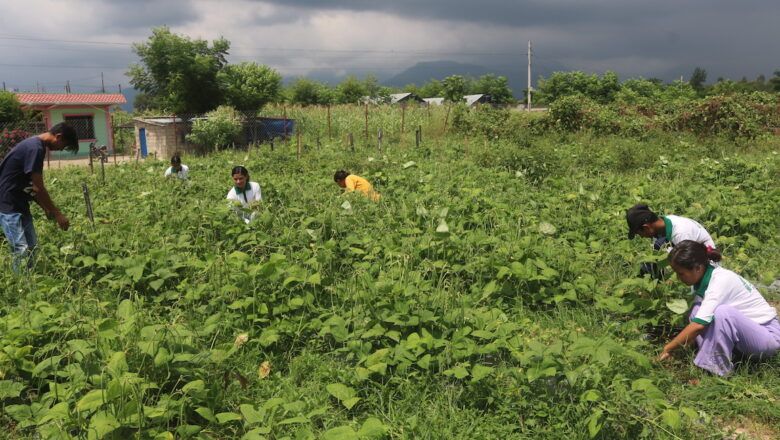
(220, 128)
(9, 138)
(741, 115)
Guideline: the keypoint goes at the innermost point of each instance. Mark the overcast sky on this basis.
(47, 42)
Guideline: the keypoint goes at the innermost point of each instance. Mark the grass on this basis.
(384, 264)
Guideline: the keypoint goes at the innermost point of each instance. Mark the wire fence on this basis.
(275, 126)
(11, 133)
(302, 127)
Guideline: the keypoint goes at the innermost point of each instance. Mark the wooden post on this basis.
(298, 138)
(272, 144)
(379, 139)
(419, 128)
(175, 134)
(417, 137)
(366, 131)
(446, 119)
(91, 169)
(285, 121)
(88, 203)
(330, 135)
(403, 117)
(351, 140)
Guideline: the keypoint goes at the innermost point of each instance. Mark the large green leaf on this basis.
(102, 424)
(340, 433)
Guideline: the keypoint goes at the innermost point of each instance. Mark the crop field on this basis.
(490, 293)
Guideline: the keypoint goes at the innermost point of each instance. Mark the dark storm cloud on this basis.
(118, 16)
(533, 13)
(732, 38)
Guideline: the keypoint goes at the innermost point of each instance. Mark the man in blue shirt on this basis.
(21, 180)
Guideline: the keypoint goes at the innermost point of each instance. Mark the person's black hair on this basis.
(340, 175)
(690, 254)
(638, 216)
(176, 159)
(238, 169)
(69, 134)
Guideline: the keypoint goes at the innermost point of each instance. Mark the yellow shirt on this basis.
(357, 183)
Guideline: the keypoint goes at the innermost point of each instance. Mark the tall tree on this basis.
(177, 73)
(10, 108)
(350, 91)
(775, 81)
(698, 78)
(431, 89)
(495, 86)
(249, 86)
(454, 87)
(307, 92)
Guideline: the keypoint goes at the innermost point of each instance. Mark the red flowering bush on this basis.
(9, 138)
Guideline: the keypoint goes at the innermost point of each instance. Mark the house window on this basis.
(84, 125)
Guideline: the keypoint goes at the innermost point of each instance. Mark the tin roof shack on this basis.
(475, 100)
(433, 101)
(405, 99)
(162, 136)
(88, 113)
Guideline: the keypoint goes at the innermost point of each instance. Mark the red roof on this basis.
(70, 98)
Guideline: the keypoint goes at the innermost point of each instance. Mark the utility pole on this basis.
(528, 95)
(102, 83)
(120, 89)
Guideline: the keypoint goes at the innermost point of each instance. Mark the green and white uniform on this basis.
(721, 286)
(679, 229)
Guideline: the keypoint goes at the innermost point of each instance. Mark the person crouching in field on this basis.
(355, 183)
(245, 192)
(177, 169)
(665, 231)
(21, 180)
(728, 315)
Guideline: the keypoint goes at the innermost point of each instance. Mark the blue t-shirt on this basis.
(16, 172)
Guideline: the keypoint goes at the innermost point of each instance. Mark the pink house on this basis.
(89, 113)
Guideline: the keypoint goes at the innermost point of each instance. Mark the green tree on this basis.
(698, 78)
(307, 92)
(495, 86)
(411, 88)
(775, 81)
(177, 73)
(454, 87)
(249, 86)
(431, 89)
(350, 91)
(10, 108)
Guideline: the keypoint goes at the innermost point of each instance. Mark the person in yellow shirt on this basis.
(355, 183)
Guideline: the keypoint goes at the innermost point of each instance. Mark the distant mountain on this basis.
(423, 72)
(516, 72)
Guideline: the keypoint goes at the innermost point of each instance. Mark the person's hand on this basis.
(62, 221)
(666, 353)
